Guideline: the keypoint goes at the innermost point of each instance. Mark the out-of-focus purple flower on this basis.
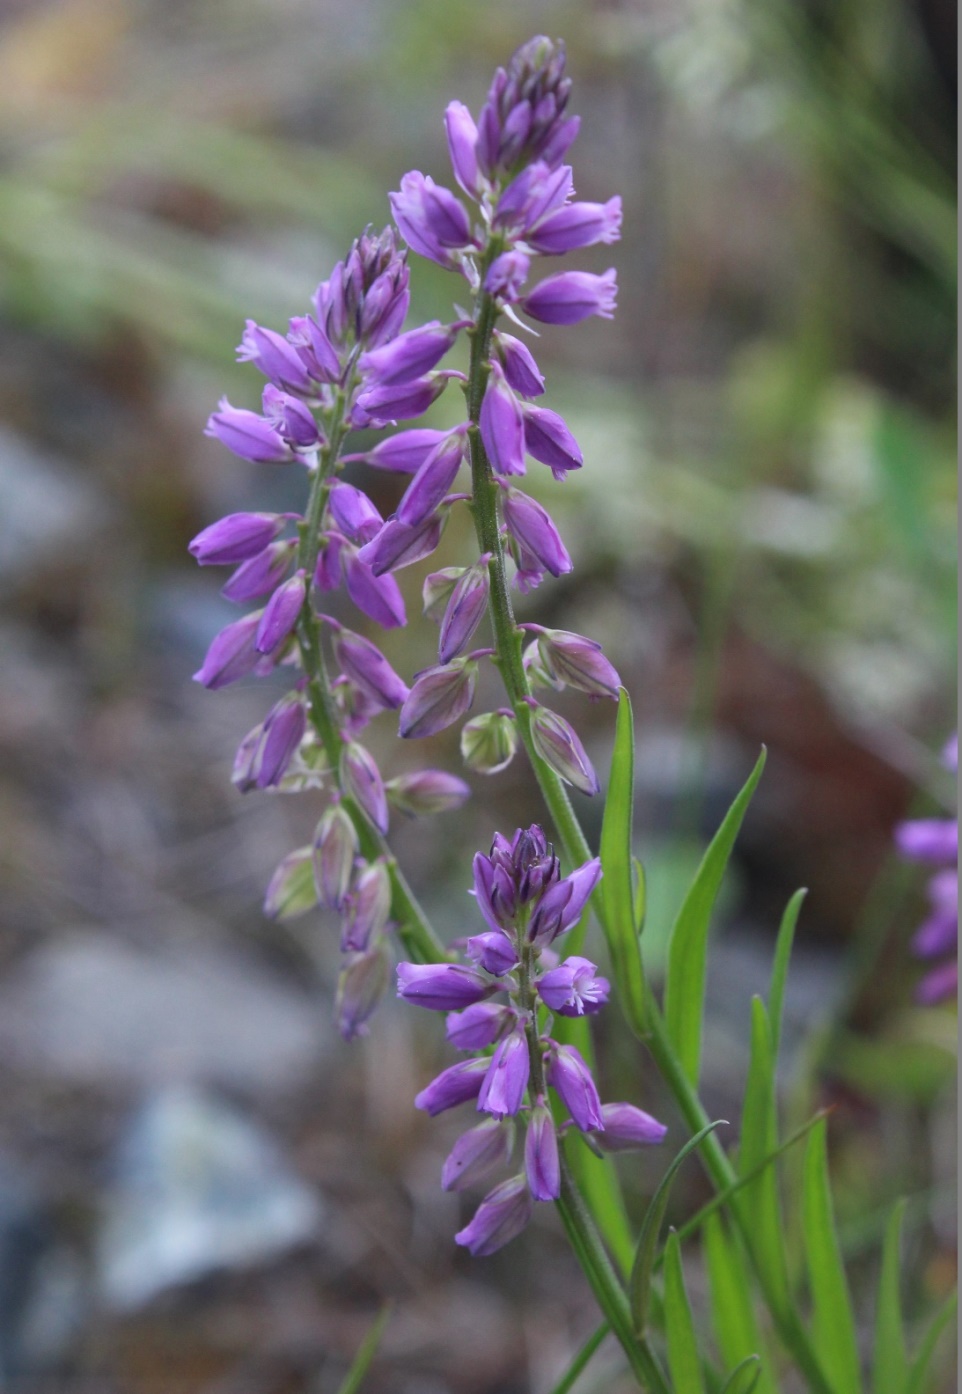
(382, 406)
(455, 1085)
(409, 355)
(462, 136)
(479, 1025)
(520, 369)
(506, 275)
(398, 545)
(361, 777)
(335, 847)
(284, 728)
(572, 296)
(574, 988)
(280, 614)
(932, 840)
(478, 1155)
(277, 359)
(533, 528)
(465, 610)
(502, 425)
(571, 660)
(362, 983)
(489, 742)
(261, 574)
(935, 842)
(433, 480)
(570, 1076)
(368, 905)
(438, 698)
(534, 193)
(500, 1217)
(247, 435)
(378, 596)
(236, 538)
(354, 513)
(327, 572)
(542, 1164)
(427, 792)
(368, 669)
(403, 453)
(576, 225)
(431, 219)
(558, 744)
(627, 1127)
(493, 951)
(443, 987)
(232, 654)
(548, 439)
(502, 1092)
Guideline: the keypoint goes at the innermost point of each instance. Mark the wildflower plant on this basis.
(518, 993)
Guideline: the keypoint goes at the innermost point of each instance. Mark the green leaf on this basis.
(639, 1285)
(890, 1365)
(617, 889)
(745, 1376)
(833, 1323)
(641, 895)
(368, 1349)
(688, 947)
(733, 1315)
(922, 1361)
(783, 952)
(758, 1204)
(577, 1366)
(683, 1359)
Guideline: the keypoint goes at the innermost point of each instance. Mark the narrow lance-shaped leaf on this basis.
(366, 1352)
(783, 952)
(641, 895)
(688, 945)
(639, 1288)
(891, 1365)
(833, 1323)
(571, 1375)
(918, 1374)
(684, 1362)
(616, 889)
(730, 1289)
(745, 1377)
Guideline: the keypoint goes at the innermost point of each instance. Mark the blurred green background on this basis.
(764, 541)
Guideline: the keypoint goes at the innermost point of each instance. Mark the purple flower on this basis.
(524, 116)
(571, 660)
(935, 841)
(366, 666)
(398, 545)
(627, 1127)
(327, 572)
(932, 840)
(462, 136)
(506, 276)
(378, 596)
(477, 1026)
(335, 847)
(433, 480)
(314, 349)
(236, 538)
(354, 513)
(455, 1085)
(573, 988)
(495, 890)
(427, 791)
(572, 296)
(369, 905)
(261, 574)
(477, 1155)
(438, 698)
(570, 1076)
(247, 435)
(280, 614)
(283, 730)
(232, 654)
(533, 528)
(542, 1164)
(443, 987)
(382, 406)
(502, 425)
(500, 1217)
(492, 951)
(291, 418)
(558, 745)
(576, 225)
(465, 610)
(409, 355)
(361, 985)
(520, 369)
(361, 778)
(505, 1083)
(431, 219)
(403, 453)
(548, 439)
(277, 359)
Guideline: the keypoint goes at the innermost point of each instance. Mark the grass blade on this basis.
(688, 946)
(730, 1288)
(745, 1376)
(577, 1366)
(890, 1370)
(683, 1359)
(617, 889)
(639, 1286)
(922, 1361)
(833, 1323)
(783, 952)
(368, 1349)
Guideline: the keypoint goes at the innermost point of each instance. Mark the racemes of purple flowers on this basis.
(513, 1062)
(935, 842)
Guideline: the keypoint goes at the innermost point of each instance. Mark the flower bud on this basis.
(261, 574)
(489, 742)
(506, 276)
(379, 597)
(478, 1155)
(282, 732)
(520, 369)
(431, 219)
(570, 1076)
(360, 987)
(398, 545)
(438, 698)
(500, 1217)
(248, 435)
(433, 480)
(443, 987)
(368, 669)
(627, 1127)
(232, 654)
(361, 778)
(281, 613)
(465, 610)
(462, 136)
(354, 513)
(455, 1085)
(236, 538)
(502, 1092)
(335, 847)
(409, 355)
(437, 588)
(548, 439)
(573, 296)
(290, 891)
(404, 452)
(532, 527)
(382, 406)
(542, 1164)
(493, 951)
(477, 1026)
(502, 425)
(369, 905)
(426, 792)
(558, 745)
(277, 359)
(571, 660)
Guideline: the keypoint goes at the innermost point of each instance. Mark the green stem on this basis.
(414, 929)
